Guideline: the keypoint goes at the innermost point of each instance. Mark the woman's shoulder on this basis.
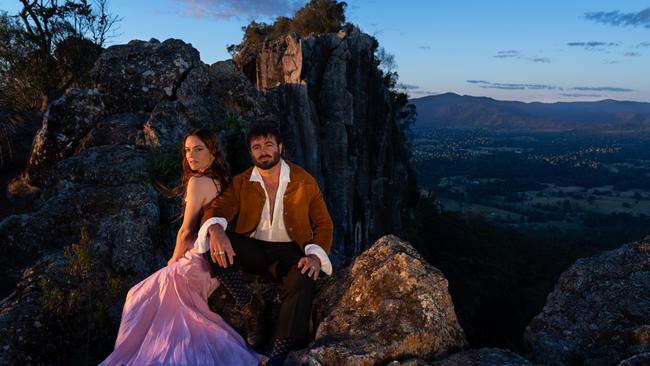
(202, 182)
(198, 178)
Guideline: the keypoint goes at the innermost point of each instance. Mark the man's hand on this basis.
(311, 265)
(220, 246)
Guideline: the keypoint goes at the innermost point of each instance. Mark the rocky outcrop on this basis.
(136, 76)
(89, 191)
(51, 310)
(21, 316)
(90, 161)
(598, 313)
(90, 164)
(340, 123)
(66, 121)
(122, 128)
(388, 304)
(210, 92)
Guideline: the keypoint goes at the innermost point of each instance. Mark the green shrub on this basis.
(77, 308)
(164, 167)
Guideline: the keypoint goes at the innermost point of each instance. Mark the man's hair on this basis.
(263, 129)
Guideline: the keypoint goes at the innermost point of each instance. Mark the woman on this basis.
(166, 319)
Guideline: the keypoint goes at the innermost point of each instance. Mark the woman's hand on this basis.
(173, 259)
(178, 254)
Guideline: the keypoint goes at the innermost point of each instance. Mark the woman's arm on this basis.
(196, 196)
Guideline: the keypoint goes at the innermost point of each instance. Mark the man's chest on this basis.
(271, 189)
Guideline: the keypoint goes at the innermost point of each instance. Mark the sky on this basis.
(548, 51)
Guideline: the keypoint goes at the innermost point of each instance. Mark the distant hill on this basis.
(455, 111)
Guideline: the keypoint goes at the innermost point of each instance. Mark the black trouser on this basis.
(280, 260)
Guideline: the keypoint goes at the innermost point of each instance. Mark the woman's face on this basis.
(197, 154)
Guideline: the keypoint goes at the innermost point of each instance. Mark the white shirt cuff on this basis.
(325, 264)
(202, 244)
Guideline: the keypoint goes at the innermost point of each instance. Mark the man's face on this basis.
(265, 152)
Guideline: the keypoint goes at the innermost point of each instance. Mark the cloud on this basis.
(249, 9)
(517, 54)
(593, 45)
(511, 86)
(424, 47)
(616, 18)
(415, 90)
(611, 62)
(643, 44)
(422, 92)
(579, 95)
(602, 88)
(545, 60)
(631, 54)
(407, 86)
(508, 54)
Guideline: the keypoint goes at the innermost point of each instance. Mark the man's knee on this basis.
(296, 281)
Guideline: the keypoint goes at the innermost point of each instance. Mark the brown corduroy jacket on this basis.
(305, 214)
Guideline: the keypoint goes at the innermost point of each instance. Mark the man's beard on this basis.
(269, 163)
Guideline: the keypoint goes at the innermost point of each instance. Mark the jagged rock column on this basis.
(339, 122)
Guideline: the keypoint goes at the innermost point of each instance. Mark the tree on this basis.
(49, 46)
(17, 82)
(318, 16)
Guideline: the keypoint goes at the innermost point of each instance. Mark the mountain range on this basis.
(451, 110)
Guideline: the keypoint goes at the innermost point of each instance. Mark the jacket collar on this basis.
(285, 174)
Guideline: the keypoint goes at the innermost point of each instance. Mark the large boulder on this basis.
(209, 93)
(237, 93)
(138, 75)
(598, 313)
(388, 304)
(167, 125)
(108, 165)
(66, 121)
(121, 128)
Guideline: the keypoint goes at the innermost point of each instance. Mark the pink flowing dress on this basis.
(166, 320)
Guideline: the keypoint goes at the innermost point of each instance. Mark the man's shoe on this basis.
(253, 314)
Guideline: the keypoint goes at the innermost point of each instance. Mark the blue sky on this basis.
(515, 50)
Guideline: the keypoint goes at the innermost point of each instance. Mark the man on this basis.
(278, 222)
